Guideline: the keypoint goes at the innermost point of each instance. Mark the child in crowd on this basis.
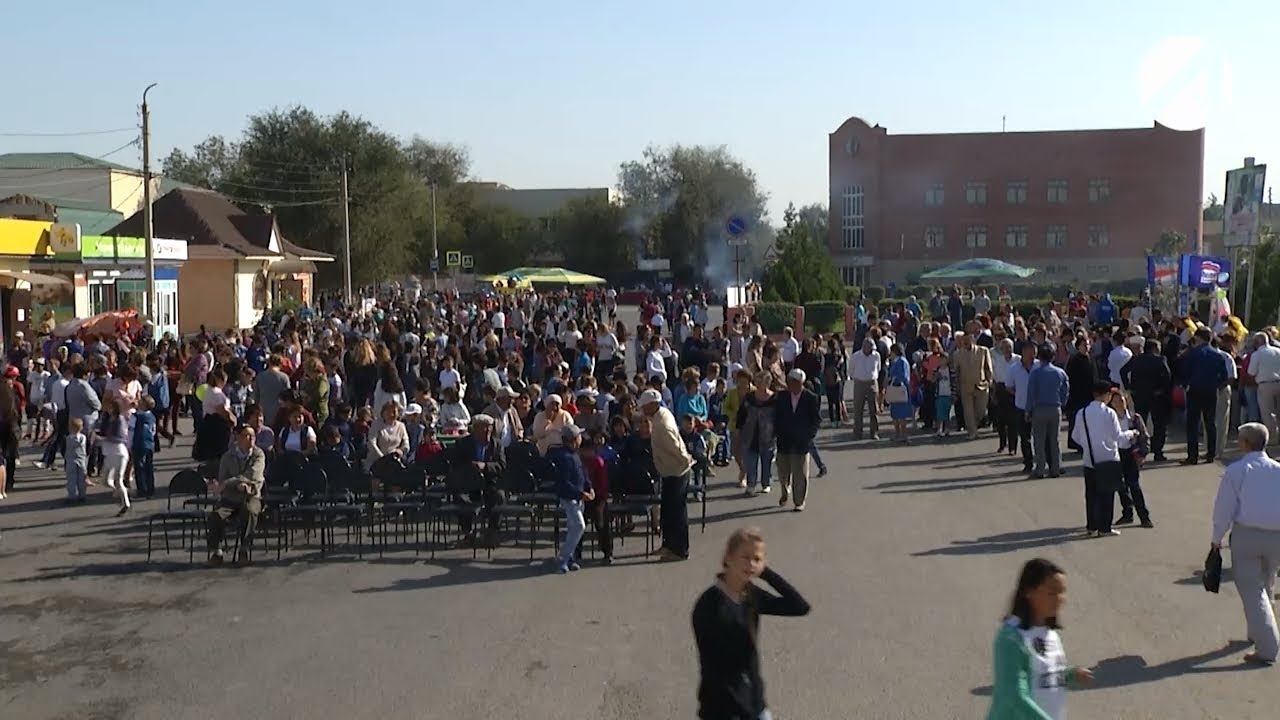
(942, 391)
(237, 391)
(113, 435)
(77, 461)
(263, 436)
(331, 443)
(414, 427)
(360, 432)
(335, 388)
(708, 385)
(597, 470)
(656, 383)
(573, 488)
(143, 440)
(696, 444)
(718, 443)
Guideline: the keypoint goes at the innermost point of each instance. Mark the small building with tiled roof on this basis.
(238, 263)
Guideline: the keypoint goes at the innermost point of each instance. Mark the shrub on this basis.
(874, 293)
(824, 316)
(774, 316)
(852, 293)
(922, 292)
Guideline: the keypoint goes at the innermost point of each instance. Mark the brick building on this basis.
(1076, 204)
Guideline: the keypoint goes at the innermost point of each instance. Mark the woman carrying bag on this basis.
(898, 393)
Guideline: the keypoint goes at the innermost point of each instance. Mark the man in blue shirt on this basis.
(1203, 372)
(1019, 375)
(1047, 390)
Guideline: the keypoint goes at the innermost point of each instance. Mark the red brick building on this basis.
(1076, 204)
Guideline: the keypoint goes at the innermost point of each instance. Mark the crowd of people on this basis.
(608, 407)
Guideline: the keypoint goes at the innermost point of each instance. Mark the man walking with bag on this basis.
(1098, 431)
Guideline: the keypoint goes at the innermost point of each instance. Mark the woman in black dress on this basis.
(726, 625)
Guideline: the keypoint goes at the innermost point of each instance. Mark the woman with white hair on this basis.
(548, 423)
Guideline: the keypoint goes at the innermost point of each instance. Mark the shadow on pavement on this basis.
(983, 456)
(468, 572)
(1196, 578)
(1007, 542)
(939, 483)
(953, 486)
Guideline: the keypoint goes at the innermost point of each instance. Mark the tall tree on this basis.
(803, 271)
(1171, 242)
(678, 200)
(590, 234)
(1213, 209)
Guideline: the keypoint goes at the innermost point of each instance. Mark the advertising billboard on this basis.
(1203, 272)
(1242, 205)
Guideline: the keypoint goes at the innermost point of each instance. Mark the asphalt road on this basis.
(907, 554)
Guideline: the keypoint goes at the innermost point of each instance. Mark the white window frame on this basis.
(1055, 237)
(1057, 191)
(1015, 236)
(856, 275)
(1099, 190)
(934, 236)
(1099, 237)
(975, 236)
(853, 218)
(975, 193)
(1015, 192)
(935, 196)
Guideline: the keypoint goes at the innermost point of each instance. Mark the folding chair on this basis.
(184, 483)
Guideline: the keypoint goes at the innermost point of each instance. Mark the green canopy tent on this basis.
(976, 268)
(545, 276)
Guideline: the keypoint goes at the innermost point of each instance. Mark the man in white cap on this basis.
(509, 427)
(673, 462)
(796, 417)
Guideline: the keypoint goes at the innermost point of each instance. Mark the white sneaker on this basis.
(39, 465)
(1111, 533)
(766, 489)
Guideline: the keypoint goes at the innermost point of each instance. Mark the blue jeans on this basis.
(817, 456)
(760, 467)
(574, 527)
(144, 472)
(1250, 411)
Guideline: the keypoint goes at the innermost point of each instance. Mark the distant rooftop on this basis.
(58, 161)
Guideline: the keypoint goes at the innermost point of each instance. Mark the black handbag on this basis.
(1109, 474)
(1212, 577)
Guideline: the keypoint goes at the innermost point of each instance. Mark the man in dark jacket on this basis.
(480, 453)
(1203, 372)
(796, 420)
(1149, 380)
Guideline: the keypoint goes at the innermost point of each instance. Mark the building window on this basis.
(976, 236)
(1058, 191)
(933, 236)
(1099, 190)
(1098, 269)
(856, 275)
(975, 193)
(852, 219)
(1055, 236)
(935, 196)
(1056, 269)
(1015, 192)
(1098, 236)
(1015, 236)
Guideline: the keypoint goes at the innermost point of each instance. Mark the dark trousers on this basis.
(598, 511)
(1021, 433)
(675, 514)
(144, 472)
(57, 443)
(1131, 497)
(1002, 418)
(835, 398)
(1155, 412)
(244, 516)
(1099, 504)
(928, 407)
(490, 498)
(1072, 409)
(10, 469)
(1202, 404)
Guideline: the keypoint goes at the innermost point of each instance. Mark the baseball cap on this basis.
(569, 432)
(649, 397)
(413, 409)
(11, 371)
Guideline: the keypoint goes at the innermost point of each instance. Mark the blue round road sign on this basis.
(736, 226)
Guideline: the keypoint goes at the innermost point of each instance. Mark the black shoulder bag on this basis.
(1109, 475)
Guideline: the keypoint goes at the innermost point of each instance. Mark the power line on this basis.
(78, 133)
(285, 203)
(294, 190)
(79, 166)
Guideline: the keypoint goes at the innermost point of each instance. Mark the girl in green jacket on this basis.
(1031, 671)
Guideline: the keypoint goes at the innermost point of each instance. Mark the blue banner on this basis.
(1203, 272)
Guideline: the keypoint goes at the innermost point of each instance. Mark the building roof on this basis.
(92, 222)
(205, 218)
(93, 219)
(58, 161)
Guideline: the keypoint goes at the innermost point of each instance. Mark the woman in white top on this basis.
(1003, 418)
(1132, 454)
(389, 387)
(388, 436)
(571, 335)
(454, 416)
(548, 423)
(297, 436)
(653, 360)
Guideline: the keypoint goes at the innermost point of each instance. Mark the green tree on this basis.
(498, 237)
(803, 271)
(591, 236)
(677, 201)
(1171, 242)
(1266, 280)
(1213, 209)
(817, 219)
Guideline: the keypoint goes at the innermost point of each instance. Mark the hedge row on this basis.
(1019, 291)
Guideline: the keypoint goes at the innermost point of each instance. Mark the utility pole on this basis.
(435, 248)
(346, 235)
(148, 234)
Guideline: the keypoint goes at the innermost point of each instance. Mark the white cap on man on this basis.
(649, 397)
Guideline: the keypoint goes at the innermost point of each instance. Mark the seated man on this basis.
(239, 490)
(480, 450)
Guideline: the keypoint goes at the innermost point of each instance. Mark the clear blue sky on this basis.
(558, 93)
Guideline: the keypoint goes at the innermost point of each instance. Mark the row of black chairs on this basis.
(393, 501)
